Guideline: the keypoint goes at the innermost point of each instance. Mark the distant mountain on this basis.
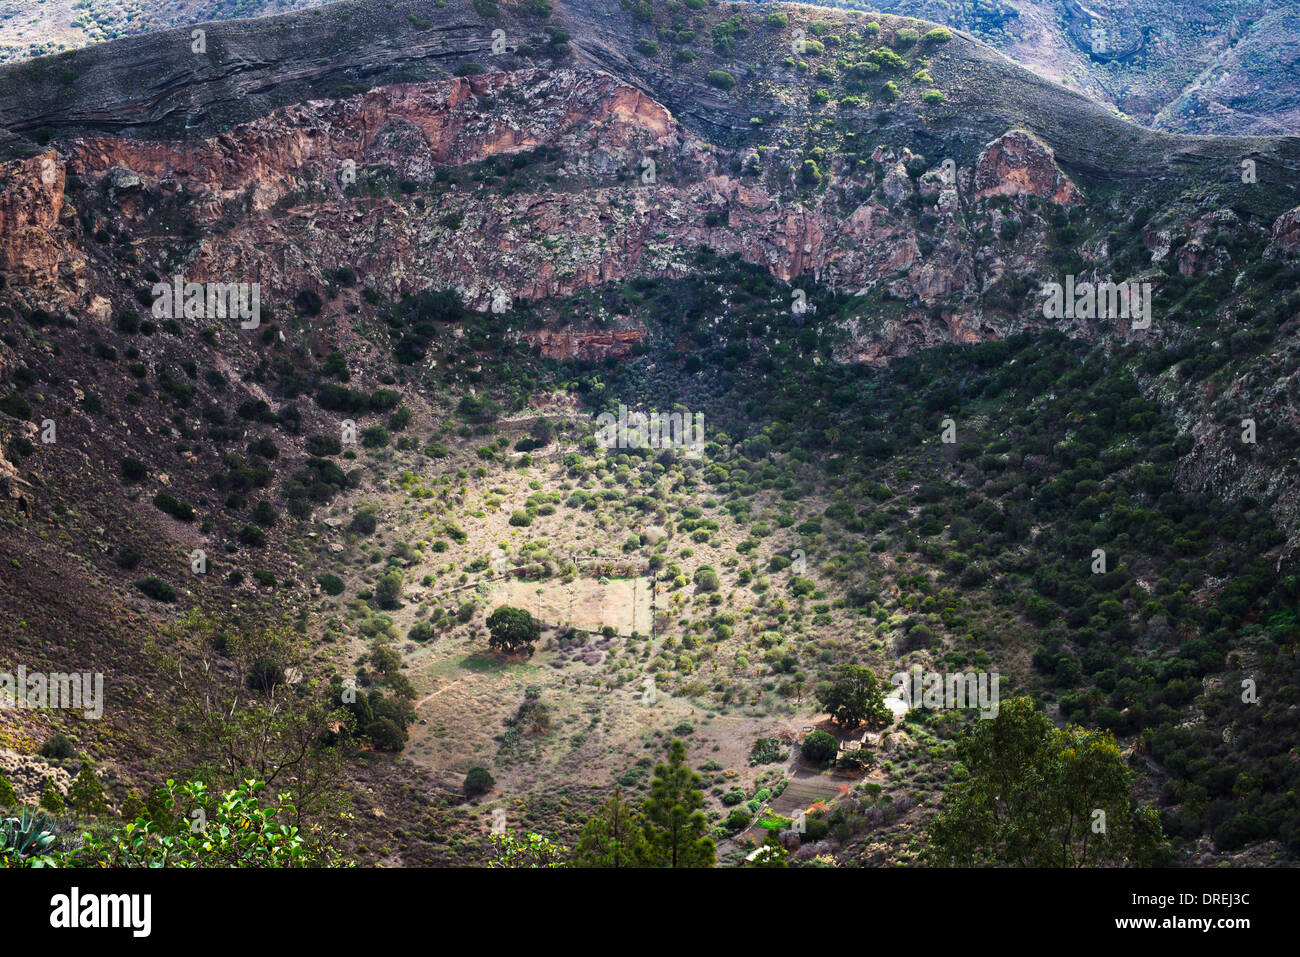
(1219, 66)
(53, 26)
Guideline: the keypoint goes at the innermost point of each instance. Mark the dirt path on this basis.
(435, 694)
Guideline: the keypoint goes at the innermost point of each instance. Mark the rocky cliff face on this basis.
(38, 237)
(523, 184)
(626, 192)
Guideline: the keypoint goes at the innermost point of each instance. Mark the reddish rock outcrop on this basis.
(413, 128)
(37, 229)
(289, 197)
(584, 345)
(1018, 163)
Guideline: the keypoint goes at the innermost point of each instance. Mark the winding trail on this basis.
(434, 694)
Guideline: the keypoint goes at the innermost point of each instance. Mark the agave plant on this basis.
(25, 836)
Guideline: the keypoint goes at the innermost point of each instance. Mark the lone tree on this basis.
(613, 837)
(675, 824)
(478, 781)
(1038, 796)
(855, 696)
(512, 629)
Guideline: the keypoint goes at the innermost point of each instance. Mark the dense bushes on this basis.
(174, 507)
(819, 747)
(156, 589)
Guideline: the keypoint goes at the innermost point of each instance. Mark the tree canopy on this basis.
(512, 629)
(613, 837)
(1036, 796)
(856, 695)
(675, 824)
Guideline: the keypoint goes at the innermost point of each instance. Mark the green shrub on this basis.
(388, 592)
(309, 302)
(887, 59)
(174, 507)
(706, 579)
(721, 79)
(905, 39)
(57, 747)
(16, 406)
(330, 584)
(252, 536)
(767, 751)
(421, 631)
(133, 470)
(156, 589)
(739, 819)
(52, 800)
(386, 734)
(363, 522)
(323, 445)
(86, 796)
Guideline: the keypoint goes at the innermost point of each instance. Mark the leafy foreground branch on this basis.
(1031, 795)
(196, 828)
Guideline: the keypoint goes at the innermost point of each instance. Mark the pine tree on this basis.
(675, 824)
(51, 799)
(613, 837)
(86, 796)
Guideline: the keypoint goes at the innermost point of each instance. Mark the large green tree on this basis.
(856, 695)
(1034, 795)
(613, 837)
(675, 826)
(512, 629)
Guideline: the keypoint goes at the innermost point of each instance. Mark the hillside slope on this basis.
(463, 256)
